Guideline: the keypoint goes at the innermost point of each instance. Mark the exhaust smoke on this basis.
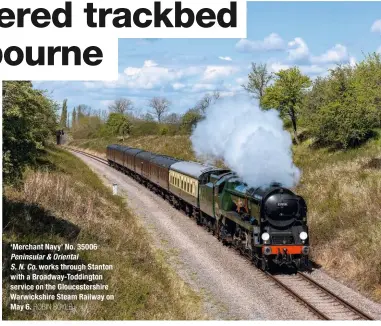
(250, 141)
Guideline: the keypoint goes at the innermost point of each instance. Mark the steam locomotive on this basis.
(268, 225)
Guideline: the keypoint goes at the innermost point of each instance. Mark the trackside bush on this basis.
(345, 107)
(29, 120)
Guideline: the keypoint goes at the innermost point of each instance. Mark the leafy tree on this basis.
(29, 119)
(87, 127)
(122, 105)
(148, 117)
(287, 94)
(350, 108)
(367, 81)
(73, 118)
(118, 124)
(63, 120)
(190, 119)
(259, 78)
(82, 111)
(160, 106)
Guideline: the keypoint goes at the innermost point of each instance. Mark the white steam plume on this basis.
(250, 141)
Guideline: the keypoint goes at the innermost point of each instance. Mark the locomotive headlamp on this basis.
(303, 235)
(267, 251)
(265, 236)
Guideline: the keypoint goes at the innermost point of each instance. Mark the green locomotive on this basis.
(269, 225)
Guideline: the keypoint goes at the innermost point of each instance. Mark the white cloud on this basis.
(241, 80)
(272, 42)
(132, 71)
(313, 69)
(213, 72)
(379, 49)
(305, 69)
(298, 50)
(106, 103)
(203, 87)
(277, 66)
(151, 75)
(177, 86)
(225, 58)
(149, 63)
(337, 54)
(376, 26)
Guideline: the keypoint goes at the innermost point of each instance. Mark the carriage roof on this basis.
(192, 169)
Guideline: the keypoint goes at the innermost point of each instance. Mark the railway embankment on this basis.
(63, 202)
(343, 191)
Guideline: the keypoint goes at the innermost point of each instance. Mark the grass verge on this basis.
(65, 202)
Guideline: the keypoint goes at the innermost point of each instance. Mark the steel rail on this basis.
(343, 302)
(298, 297)
(97, 158)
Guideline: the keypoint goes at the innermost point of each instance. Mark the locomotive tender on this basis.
(269, 225)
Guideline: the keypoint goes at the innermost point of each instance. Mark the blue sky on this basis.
(312, 35)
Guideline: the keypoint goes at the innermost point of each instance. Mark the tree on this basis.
(287, 94)
(73, 118)
(367, 81)
(148, 117)
(259, 78)
(206, 101)
(29, 119)
(348, 107)
(63, 120)
(88, 127)
(122, 105)
(118, 124)
(190, 119)
(160, 106)
(172, 118)
(82, 111)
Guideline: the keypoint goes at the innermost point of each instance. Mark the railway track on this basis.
(322, 302)
(319, 300)
(97, 158)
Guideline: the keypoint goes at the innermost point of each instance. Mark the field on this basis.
(63, 201)
(343, 193)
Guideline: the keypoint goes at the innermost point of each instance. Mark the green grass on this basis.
(343, 193)
(65, 202)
